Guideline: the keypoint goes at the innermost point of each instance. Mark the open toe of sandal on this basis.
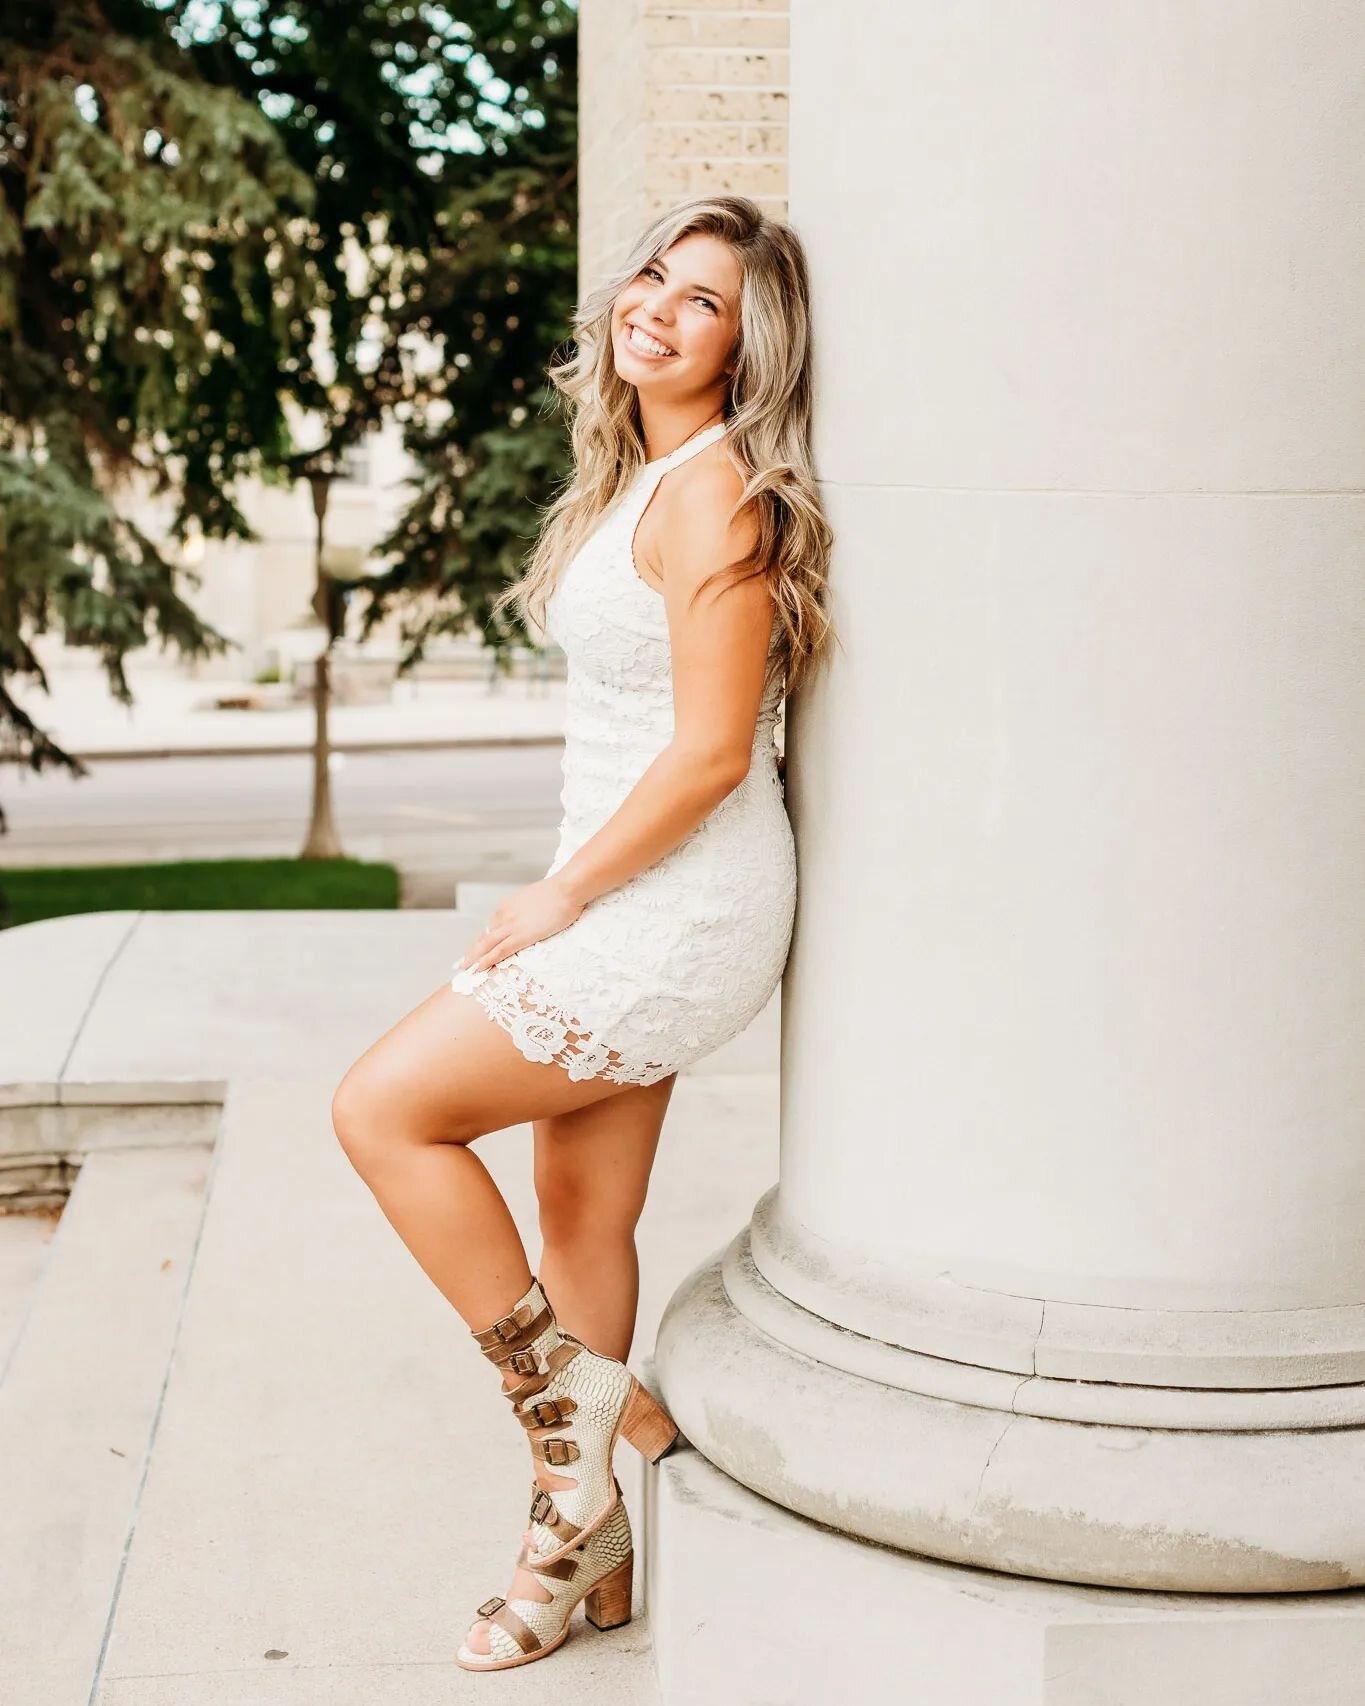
(597, 1571)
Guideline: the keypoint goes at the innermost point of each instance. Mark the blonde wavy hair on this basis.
(767, 410)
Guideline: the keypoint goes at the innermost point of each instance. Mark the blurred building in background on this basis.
(259, 591)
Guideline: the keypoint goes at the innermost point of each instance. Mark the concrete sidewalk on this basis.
(176, 715)
(261, 1463)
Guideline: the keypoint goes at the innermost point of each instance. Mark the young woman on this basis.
(683, 571)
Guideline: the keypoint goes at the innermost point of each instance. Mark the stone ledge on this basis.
(138, 1121)
(736, 1585)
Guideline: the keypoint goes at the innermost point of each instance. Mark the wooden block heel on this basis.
(607, 1606)
(646, 1424)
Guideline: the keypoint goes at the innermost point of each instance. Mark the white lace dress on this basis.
(661, 970)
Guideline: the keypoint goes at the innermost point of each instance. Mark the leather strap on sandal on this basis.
(498, 1611)
(587, 1529)
(524, 1362)
(555, 1451)
(513, 1332)
(563, 1569)
(548, 1515)
(538, 1368)
(546, 1412)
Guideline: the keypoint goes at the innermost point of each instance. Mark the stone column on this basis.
(1065, 1272)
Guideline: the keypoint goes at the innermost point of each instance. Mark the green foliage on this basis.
(152, 285)
(500, 299)
(69, 561)
(451, 142)
(216, 214)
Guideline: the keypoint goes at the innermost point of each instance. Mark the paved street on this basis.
(479, 812)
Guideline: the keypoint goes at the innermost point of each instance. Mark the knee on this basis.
(376, 1118)
(368, 1117)
(573, 1218)
(356, 1116)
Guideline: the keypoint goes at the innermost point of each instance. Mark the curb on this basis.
(298, 749)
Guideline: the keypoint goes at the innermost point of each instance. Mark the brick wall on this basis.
(675, 99)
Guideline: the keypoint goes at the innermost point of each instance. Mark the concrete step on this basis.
(337, 1483)
(79, 1406)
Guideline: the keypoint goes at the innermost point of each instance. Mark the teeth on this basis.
(651, 345)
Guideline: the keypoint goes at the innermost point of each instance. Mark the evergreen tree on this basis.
(152, 285)
(209, 212)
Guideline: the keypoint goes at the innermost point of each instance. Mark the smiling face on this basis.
(674, 325)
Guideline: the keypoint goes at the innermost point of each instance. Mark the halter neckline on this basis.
(698, 441)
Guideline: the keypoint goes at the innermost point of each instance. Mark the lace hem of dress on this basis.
(544, 1031)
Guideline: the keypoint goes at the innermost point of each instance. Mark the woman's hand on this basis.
(540, 909)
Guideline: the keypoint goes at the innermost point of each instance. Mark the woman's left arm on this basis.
(719, 646)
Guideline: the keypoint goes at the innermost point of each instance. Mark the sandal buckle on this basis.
(542, 1506)
(511, 1325)
(489, 1606)
(558, 1451)
(522, 1362)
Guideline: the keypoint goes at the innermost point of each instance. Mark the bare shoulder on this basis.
(709, 483)
(696, 533)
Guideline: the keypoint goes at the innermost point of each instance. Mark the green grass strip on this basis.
(196, 885)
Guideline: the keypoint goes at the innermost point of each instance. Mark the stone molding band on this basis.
(1264, 1369)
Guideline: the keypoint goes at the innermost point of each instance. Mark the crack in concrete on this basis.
(990, 1455)
(158, 1410)
(1014, 1413)
(108, 966)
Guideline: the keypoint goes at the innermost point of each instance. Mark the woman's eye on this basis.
(653, 272)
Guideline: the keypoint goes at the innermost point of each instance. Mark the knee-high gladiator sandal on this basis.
(573, 1402)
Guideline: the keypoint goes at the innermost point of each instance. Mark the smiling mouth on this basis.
(640, 340)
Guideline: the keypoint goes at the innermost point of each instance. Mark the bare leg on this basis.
(592, 1169)
(406, 1113)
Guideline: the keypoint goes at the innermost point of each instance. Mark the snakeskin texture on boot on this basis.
(598, 1570)
(573, 1402)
